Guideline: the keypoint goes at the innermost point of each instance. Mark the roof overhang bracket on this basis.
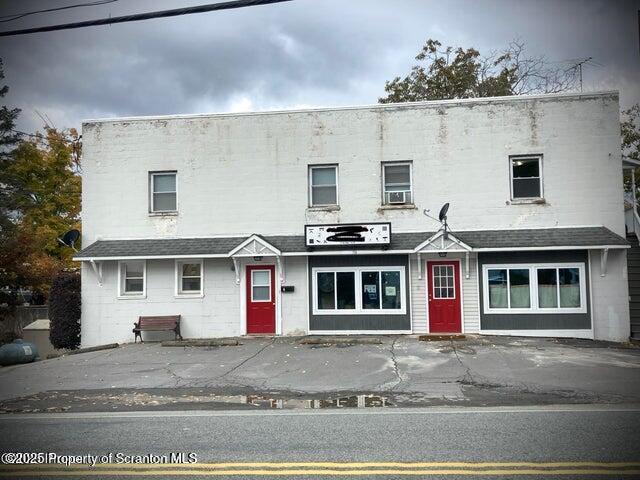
(466, 265)
(604, 255)
(97, 270)
(236, 269)
(280, 264)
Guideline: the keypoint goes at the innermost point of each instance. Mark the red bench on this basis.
(157, 324)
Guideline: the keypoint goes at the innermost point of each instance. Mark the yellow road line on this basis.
(496, 472)
(349, 465)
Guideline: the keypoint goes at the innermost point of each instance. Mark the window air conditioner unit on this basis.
(397, 197)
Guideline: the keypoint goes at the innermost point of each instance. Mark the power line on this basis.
(145, 16)
(16, 16)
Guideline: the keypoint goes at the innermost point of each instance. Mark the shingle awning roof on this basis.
(481, 240)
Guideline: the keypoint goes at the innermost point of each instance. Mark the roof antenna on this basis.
(70, 238)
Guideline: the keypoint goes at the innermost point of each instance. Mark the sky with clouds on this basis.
(302, 53)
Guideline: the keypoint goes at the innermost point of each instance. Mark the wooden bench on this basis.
(157, 324)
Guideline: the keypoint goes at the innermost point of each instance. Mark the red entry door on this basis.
(443, 288)
(261, 299)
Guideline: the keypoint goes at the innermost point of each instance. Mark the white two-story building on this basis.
(313, 221)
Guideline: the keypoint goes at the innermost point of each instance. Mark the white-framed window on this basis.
(444, 285)
(538, 288)
(132, 278)
(397, 183)
(190, 278)
(323, 185)
(163, 192)
(260, 285)
(358, 290)
(526, 177)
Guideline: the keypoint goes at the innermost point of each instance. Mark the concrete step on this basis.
(438, 337)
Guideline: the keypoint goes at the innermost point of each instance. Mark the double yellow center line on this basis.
(327, 469)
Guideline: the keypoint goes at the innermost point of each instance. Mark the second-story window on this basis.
(526, 177)
(397, 183)
(323, 185)
(163, 192)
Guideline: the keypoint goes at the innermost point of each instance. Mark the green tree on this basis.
(39, 201)
(465, 73)
(41, 191)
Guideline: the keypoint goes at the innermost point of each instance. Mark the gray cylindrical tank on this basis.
(18, 351)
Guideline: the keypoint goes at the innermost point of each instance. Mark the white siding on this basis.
(470, 308)
(418, 296)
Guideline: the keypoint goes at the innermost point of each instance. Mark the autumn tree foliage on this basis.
(39, 201)
(446, 73)
(40, 197)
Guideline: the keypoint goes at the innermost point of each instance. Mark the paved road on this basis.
(544, 442)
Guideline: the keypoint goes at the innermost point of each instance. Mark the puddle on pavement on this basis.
(54, 402)
(352, 401)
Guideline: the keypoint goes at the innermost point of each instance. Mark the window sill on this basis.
(328, 208)
(131, 297)
(359, 312)
(189, 295)
(404, 206)
(537, 311)
(163, 214)
(527, 201)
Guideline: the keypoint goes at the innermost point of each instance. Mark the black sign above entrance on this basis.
(348, 234)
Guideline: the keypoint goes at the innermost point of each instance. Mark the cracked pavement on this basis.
(474, 371)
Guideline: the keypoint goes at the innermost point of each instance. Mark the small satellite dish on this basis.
(442, 216)
(70, 238)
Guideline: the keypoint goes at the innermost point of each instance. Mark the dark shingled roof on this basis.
(485, 239)
(154, 247)
(542, 237)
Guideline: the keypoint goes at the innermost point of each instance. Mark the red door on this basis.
(261, 299)
(443, 288)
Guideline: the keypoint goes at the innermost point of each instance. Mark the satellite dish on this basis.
(442, 216)
(70, 238)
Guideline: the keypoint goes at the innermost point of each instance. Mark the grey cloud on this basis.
(305, 52)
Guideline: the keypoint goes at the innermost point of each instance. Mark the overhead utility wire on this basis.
(16, 16)
(145, 16)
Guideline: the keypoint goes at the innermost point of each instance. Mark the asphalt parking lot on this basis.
(282, 372)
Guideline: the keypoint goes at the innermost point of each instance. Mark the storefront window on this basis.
(498, 288)
(326, 291)
(569, 287)
(346, 292)
(547, 288)
(370, 290)
(359, 290)
(542, 288)
(519, 291)
(390, 291)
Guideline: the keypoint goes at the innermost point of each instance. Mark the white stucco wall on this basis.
(219, 313)
(247, 173)
(610, 297)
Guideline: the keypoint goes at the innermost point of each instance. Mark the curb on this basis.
(213, 342)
